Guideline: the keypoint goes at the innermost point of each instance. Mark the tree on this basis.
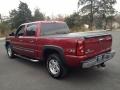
(89, 7)
(101, 8)
(13, 18)
(107, 11)
(4, 28)
(0, 18)
(73, 20)
(59, 17)
(48, 18)
(38, 15)
(21, 15)
(117, 18)
(98, 21)
(24, 13)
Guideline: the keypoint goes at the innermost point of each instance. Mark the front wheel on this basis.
(10, 52)
(55, 66)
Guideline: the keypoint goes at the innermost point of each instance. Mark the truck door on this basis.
(17, 41)
(30, 40)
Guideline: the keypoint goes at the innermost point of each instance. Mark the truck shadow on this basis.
(36, 65)
(87, 74)
(74, 76)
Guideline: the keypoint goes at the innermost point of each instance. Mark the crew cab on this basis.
(52, 42)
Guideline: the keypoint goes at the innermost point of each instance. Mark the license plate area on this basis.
(107, 56)
(103, 57)
(100, 58)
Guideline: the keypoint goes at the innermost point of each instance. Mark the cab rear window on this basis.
(54, 28)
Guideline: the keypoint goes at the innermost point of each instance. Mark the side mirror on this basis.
(20, 34)
(12, 34)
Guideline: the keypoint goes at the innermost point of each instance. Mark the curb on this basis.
(3, 38)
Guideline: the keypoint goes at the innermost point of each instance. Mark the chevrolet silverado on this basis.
(52, 42)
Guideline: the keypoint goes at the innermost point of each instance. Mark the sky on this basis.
(48, 7)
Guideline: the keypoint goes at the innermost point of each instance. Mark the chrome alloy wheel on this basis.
(54, 67)
(9, 51)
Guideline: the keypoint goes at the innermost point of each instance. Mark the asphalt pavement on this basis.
(20, 74)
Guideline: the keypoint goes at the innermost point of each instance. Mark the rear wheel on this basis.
(10, 52)
(55, 66)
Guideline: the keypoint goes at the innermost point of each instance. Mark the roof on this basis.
(43, 22)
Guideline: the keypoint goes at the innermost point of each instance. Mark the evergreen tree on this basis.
(38, 15)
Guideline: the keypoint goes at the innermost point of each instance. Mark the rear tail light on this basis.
(108, 37)
(80, 48)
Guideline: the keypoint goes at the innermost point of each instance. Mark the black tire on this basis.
(10, 52)
(62, 70)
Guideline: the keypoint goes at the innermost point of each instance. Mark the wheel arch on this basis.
(51, 49)
(7, 43)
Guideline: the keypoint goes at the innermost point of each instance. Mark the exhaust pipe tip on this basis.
(102, 65)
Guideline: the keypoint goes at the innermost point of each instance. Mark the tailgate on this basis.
(97, 44)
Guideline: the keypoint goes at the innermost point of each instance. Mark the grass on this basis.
(5, 33)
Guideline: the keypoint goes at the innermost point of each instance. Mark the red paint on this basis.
(37, 42)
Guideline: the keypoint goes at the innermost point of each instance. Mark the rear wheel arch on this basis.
(51, 49)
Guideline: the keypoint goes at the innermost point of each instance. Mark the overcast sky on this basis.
(48, 7)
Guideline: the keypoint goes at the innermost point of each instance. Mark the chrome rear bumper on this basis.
(98, 59)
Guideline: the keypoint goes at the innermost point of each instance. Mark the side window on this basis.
(31, 29)
(20, 31)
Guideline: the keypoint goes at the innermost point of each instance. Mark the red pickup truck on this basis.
(52, 42)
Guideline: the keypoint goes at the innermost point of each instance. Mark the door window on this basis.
(31, 29)
(20, 31)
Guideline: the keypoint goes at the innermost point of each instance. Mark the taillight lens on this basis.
(80, 48)
(108, 37)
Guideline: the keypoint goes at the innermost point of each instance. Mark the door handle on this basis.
(21, 40)
(31, 41)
